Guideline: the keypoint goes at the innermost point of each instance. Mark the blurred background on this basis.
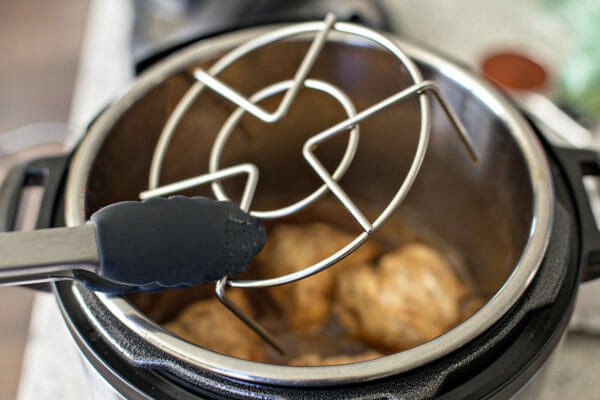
(64, 60)
(40, 41)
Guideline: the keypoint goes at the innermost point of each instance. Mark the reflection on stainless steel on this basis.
(47, 254)
(502, 244)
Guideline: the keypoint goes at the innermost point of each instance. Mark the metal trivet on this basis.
(291, 88)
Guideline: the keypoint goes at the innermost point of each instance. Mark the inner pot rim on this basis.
(195, 356)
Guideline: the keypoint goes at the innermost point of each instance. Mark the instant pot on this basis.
(519, 218)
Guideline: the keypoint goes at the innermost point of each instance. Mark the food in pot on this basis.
(411, 296)
(471, 305)
(209, 324)
(358, 310)
(307, 303)
(311, 359)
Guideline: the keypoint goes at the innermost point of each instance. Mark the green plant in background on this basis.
(579, 80)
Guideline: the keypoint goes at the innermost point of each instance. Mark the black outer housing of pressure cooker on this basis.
(495, 365)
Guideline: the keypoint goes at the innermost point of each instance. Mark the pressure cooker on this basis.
(519, 217)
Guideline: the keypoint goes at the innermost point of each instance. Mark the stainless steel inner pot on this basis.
(496, 214)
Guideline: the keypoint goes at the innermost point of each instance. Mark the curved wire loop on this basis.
(321, 30)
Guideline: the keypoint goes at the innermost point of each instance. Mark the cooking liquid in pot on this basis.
(400, 289)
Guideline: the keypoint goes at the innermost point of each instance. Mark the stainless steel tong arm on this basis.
(47, 254)
(148, 245)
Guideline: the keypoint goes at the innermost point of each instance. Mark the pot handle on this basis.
(578, 164)
(47, 173)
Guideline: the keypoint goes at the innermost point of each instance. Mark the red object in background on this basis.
(514, 71)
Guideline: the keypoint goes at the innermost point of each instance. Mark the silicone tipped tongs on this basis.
(149, 245)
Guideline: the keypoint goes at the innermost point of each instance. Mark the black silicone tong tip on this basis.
(172, 243)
